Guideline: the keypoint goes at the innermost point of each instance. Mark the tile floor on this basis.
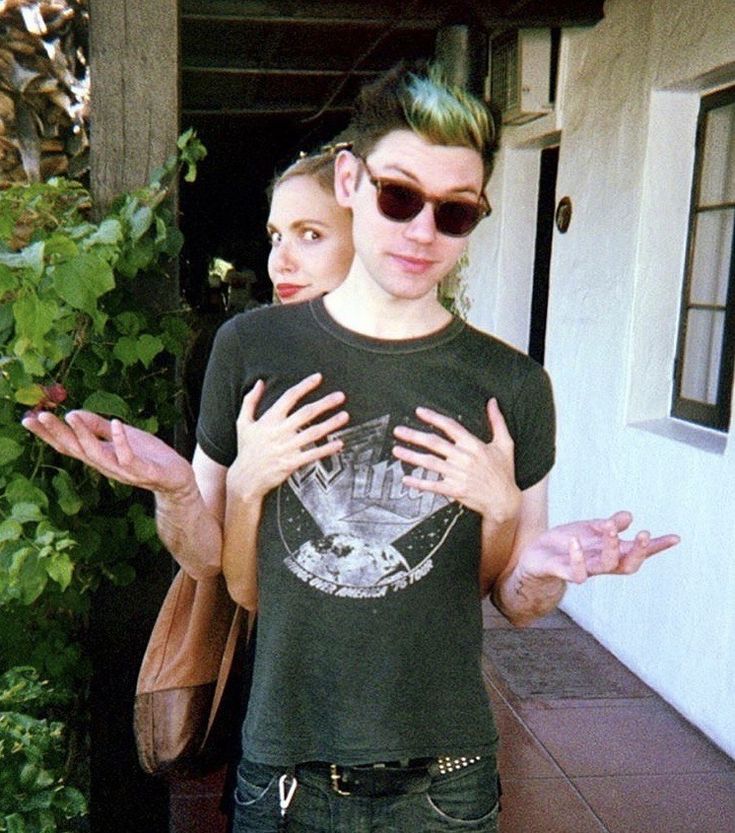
(586, 746)
(621, 761)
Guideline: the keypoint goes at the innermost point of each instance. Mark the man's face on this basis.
(407, 259)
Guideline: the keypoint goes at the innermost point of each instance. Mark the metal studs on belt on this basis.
(447, 764)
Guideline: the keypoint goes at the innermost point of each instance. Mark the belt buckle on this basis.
(336, 778)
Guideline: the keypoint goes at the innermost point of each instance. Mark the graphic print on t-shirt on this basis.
(350, 525)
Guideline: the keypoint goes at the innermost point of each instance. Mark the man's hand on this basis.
(479, 475)
(271, 448)
(120, 452)
(576, 551)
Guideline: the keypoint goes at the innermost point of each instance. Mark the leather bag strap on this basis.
(227, 657)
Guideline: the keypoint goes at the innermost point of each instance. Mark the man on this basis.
(381, 488)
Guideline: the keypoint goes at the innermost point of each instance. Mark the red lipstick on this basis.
(287, 290)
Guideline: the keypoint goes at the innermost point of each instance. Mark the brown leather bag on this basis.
(193, 681)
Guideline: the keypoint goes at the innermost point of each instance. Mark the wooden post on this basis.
(134, 58)
(134, 124)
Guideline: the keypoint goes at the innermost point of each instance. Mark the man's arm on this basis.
(524, 565)
(545, 560)
(520, 599)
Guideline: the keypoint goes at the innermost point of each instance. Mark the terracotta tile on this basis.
(545, 805)
(651, 739)
(495, 683)
(698, 803)
(520, 754)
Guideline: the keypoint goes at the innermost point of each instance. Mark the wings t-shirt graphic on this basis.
(352, 528)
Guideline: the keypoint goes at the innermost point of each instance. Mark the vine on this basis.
(74, 332)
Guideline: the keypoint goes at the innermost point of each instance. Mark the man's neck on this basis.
(365, 308)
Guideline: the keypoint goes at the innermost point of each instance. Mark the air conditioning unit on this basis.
(520, 74)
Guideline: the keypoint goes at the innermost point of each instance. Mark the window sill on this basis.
(696, 436)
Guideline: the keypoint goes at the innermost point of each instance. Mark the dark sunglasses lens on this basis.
(398, 202)
(456, 218)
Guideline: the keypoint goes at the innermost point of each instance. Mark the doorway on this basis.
(542, 252)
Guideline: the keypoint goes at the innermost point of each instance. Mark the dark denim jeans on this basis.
(464, 800)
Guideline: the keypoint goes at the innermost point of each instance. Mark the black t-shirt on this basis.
(369, 621)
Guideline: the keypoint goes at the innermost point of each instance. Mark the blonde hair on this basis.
(318, 166)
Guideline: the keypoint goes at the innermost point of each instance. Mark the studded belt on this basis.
(387, 778)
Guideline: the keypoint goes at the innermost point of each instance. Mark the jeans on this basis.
(464, 800)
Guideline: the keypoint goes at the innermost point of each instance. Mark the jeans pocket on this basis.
(467, 797)
(255, 784)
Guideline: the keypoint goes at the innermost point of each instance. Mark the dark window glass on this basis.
(704, 363)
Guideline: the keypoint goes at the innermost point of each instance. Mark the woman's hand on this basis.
(283, 439)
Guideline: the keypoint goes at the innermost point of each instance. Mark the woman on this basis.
(310, 235)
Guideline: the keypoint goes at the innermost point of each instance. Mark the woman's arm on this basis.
(269, 449)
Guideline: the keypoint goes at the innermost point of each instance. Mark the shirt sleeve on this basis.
(222, 392)
(535, 417)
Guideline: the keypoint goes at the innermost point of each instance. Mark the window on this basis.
(703, 375)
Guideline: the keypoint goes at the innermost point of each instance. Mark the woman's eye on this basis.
(311, 234)
(274, 237)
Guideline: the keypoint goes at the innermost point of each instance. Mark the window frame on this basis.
(712, 415)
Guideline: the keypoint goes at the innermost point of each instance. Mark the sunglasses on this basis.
(401, 202)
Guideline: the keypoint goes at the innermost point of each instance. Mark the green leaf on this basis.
(34, 317)
(22, 490)
(130, 322)
(9, 450)
(10, 530)
(29, 260)
(66, 493)
(28, 775)
(61, 568)
(14, 824)
(140, 222)
(136, 257)
(81, 281)
(109, 233)
(60, 247)
(103, 402)
(174, 242)
(30, 395)
(8, 279)
(148, 348)
(27, 575)
(25, 512)
(73, 802)
(126, 350)
(6, 317)
(144, 525)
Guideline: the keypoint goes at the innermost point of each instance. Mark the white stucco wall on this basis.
(627, 110)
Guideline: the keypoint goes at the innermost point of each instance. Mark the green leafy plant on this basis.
(74, 333)
(32, 753)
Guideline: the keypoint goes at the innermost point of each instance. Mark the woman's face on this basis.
(311, 240)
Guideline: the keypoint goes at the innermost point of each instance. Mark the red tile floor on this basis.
(586, 747)
(595, 750)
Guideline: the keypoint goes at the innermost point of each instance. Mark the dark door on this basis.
(542, 259)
